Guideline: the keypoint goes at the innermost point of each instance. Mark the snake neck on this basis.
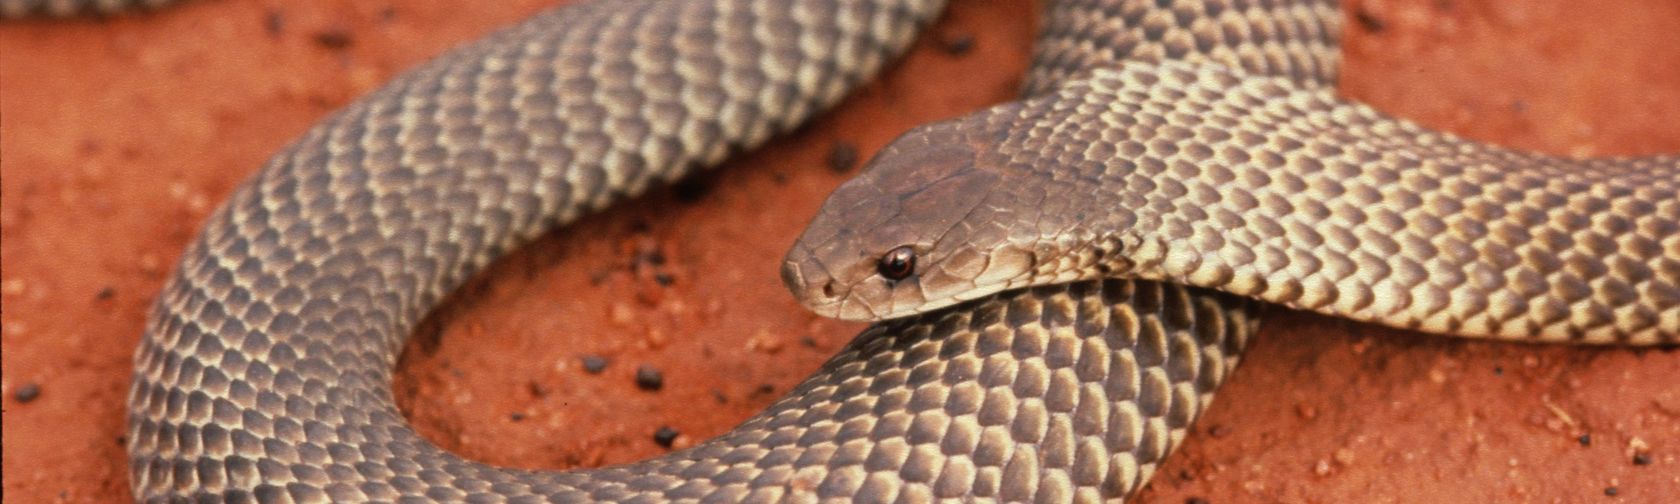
(1264, 188)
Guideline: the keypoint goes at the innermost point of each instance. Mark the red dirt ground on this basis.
(118, 136)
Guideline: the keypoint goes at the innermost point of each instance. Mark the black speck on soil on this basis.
(649, 378)
(334, 38)
(665, 436)
(1641, 458)
(27, 393)
(594, 364)
(842, 156)
(1368, 21)
(1585, 439)
(957, 44)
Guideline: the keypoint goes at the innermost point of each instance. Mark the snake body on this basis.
(265, 371)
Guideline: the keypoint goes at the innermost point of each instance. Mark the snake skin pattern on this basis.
(265, 372)
(1263, 186)
(1296, 39)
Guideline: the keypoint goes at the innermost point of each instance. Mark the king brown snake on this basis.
(1192, 142)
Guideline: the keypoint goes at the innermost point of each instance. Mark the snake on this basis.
(1268, 186)
(1059, 284)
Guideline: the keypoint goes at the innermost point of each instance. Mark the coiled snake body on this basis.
(265, 372)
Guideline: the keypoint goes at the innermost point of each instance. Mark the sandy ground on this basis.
(118, 136)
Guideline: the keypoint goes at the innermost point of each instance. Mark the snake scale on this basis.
(1197, 137)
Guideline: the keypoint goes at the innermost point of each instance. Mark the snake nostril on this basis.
(828, 289)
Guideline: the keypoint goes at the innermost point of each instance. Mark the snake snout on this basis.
(811, 291)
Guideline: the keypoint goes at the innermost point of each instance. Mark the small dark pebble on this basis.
(516, 416)
(664, 279)
(842, 156)
(1585, 439)
(26, 393)
(1195, 500)
(274, 23)
(105, 293)
(765, 388)
(1611, 491)
(1641, 458)
(1186, 475)
(1499, 370)
(1369, 21)
(537, 389)
(333, 38)
(718, 394)
(959, 44)
(808, 341)
(594, 364)
(649, 378)
(665, 436)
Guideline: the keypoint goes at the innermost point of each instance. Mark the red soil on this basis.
(118, 136)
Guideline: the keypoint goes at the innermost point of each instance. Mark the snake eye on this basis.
(897, 264)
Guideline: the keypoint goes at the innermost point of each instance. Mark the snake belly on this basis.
(265, 371)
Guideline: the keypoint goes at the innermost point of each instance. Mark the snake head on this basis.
(935, 219)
